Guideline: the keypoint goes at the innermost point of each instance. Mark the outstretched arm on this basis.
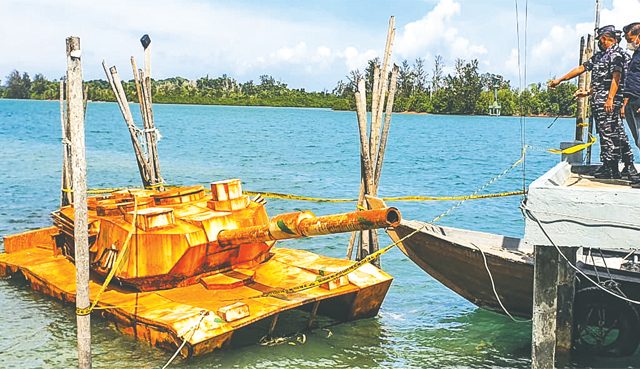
(572, 73)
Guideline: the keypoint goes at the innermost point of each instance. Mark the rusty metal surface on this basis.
(303, 224)
(163, 318)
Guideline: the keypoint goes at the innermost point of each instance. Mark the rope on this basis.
(275, 195)
(493, 287)
(530, 214)
(116, 264)
(285, 196)
(333, 276)
(523, 122)
(375, 255)
(192, 330)
(455, 198)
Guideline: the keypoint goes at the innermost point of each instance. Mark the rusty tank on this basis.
(184, 258)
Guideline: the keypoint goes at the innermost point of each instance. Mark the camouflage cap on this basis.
(609, 30)
(630, 27)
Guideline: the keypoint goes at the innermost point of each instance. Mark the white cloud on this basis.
(621, 13)
(435, 32)
(560, 45)
(190, 38)
(311, 48)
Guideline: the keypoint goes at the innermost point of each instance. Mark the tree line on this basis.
(463, 91)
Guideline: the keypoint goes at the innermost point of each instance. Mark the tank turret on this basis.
(179, 236)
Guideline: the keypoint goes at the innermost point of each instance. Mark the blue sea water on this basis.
(311, 152)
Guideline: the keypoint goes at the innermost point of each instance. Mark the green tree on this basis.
(18, 86)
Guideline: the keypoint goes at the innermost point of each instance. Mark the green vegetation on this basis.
(464, 91)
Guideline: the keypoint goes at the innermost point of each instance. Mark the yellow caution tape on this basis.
(286, 196)
(575, 148)
(275, 195)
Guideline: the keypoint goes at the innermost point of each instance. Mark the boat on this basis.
(184, 269)
(495, 272)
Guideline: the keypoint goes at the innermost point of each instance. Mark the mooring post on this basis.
(581, 114)
(566, 294)
(545, 296)
(79, 180)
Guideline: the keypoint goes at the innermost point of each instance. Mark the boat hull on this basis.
(459, 265)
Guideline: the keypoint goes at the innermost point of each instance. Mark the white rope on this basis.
(493, 286)
(154, 131)
(193, 330)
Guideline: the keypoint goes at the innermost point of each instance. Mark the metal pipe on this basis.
(305, 224)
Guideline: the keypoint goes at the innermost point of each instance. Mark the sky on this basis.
(307, 44)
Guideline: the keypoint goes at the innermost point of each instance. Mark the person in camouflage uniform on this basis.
(607, 68)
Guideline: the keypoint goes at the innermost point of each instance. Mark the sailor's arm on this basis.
(572, 73)
(615, 81)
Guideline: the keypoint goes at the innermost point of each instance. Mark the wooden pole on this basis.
(85, 99)
(145, 40)
(372, 143)
(118, 91)
(585, 102)
(580, 107)
(543, 330)
(144, 114)
(386, 126)
(143, 111)
(366, 171)
(376, 123)
(375, 96)
(81, 224)
(360, 203)
(383, 87)
(361, 109)
(566, 294)
(150, 129)
(66, 196)
(591, 44)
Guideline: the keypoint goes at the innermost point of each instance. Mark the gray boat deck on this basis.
(578, 210)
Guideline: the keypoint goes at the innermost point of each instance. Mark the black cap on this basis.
(626, 29)
(609, 30)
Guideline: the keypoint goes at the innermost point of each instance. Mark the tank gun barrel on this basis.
(306, 224)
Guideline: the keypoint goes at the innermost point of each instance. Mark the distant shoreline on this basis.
(298, 107)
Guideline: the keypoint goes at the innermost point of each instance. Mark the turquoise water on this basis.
(312, 152)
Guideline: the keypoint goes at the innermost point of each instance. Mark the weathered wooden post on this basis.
(543, 330)
(553, 295)
(79, 170)
(372, 141)
(587, 82)
(566, 295)
(581, 114)
(66, 196)
(591, 45)
(147, 156)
